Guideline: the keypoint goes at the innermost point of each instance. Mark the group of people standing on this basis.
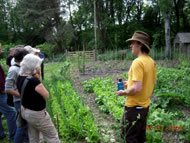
(27, 66)
(24, 64)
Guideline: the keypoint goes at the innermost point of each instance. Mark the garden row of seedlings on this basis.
(163, 114)
(73, 120)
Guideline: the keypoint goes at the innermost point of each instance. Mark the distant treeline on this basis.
(70, 24)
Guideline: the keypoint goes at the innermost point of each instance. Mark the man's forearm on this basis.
(13, 93)
(131, 91)
(134, 89)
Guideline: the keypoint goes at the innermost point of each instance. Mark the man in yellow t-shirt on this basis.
(142, 78)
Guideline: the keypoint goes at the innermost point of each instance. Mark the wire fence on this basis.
(156, 54)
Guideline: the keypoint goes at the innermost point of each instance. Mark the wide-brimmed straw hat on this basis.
(142, 37)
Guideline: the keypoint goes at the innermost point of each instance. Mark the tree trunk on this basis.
(107, 6)
(119, 13)
(95, 37)
(184, 17)
(129, 7)
(59, 45)
(72, 24)
(55, 5)
(176, 4)
(167, 35)
(112, 11)
(102, 29)
(139, 10)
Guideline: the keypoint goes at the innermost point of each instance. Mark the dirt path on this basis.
(105, 122)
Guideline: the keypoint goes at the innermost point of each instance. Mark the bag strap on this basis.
(23, 86)
(16, 65)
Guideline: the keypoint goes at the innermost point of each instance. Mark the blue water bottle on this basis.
(120, 85)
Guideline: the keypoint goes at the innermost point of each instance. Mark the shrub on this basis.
(5, 49)
(184, 64)
(47, 49)
(3, 64)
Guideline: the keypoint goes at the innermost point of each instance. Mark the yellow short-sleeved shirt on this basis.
(142, 69)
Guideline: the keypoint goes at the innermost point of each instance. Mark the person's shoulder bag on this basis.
(20, 122)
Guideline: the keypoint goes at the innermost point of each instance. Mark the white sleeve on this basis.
(13, 62)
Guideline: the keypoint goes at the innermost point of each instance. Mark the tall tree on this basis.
(4, 14)
(139, 5)
(176, 6)
(119, 6)
(129, 4)
(166, 8)
(70, 4)
(47, 14)
(185, 14)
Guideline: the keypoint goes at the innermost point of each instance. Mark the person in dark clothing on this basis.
(10, 57)
(41, 55)
(33, 108)
(8, 62)
(140, 85)
(11, 88)
(5, 109)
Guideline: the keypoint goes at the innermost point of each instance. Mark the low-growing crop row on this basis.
(173, 85)
(73, 120)
(106, 96)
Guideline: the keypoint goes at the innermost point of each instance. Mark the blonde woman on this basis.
(33, 108)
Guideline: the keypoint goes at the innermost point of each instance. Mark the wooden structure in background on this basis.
(182, 42)
(88, 55)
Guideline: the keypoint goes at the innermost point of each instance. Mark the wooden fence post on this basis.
(66, 53)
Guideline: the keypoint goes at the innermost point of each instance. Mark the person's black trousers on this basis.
(42, 70)
(10, 100)
(133, 128)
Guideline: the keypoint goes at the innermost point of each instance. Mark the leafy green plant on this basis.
(81, 62)
(89, 85)
(106, 98)
(171, 89)
(173, 84)
(184, 64)
(65, 70)
(165, 100)
(78, 121)
(5, 49)
(3, 64)
(47, 49)
(154, 137)
(75, 121)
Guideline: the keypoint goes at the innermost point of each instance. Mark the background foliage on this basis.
(70, 24)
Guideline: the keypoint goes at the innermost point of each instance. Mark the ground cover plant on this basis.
(73, 119)
(164, 116)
